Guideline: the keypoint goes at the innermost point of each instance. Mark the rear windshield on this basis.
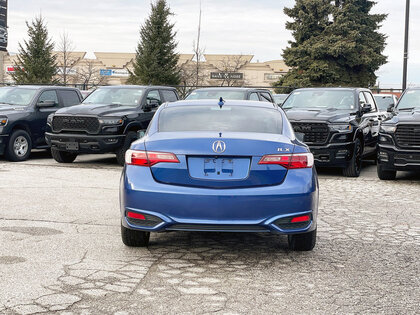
(214, 118)
(216, 94)
(383, 101)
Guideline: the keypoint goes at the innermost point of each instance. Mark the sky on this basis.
(228, 27)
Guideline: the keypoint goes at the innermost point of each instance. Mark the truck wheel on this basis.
(19, 146)
(385, 174)
(134, 238)
(63, 156)
(355, 164)
(302, 242)
(120, 153)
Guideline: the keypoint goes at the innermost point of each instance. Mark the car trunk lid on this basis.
(216, 160)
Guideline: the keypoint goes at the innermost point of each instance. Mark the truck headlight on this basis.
(388, 128)
(49, 119)
(3, 121)
(111, 121)
(341, 127)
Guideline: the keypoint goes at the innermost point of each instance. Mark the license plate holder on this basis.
(72, 146)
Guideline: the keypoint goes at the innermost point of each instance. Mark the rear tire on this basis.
(120, 153)
(134, 238)
(386, 174)
(355, 164)
(302, 242)
(63, 156)
(19, 146)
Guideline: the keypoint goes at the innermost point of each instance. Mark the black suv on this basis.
(340, 125)
(231, 93)
(23, 116)
(107, 121)
(399, 137)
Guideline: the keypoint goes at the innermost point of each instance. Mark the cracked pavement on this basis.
(61, 251)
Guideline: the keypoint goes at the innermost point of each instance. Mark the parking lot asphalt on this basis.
(61, 250)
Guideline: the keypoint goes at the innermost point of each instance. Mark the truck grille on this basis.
(315, 133)
(408, 136)
(78, 123)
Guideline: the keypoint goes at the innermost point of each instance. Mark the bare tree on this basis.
(88, 74)
(66, 57)
(228, 67)
(186, 74)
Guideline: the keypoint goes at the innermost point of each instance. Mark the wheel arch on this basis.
(21, 126)
(359, 135)
(134, 126)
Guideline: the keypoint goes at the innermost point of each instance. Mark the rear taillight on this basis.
(289, 161)
(149, 158)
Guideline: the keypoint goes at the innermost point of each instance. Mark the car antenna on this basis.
(221, 102)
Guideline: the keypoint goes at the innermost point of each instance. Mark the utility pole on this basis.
(407, 24)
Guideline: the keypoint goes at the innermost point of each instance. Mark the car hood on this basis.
(6, 110)
(98, 110)
(322, 115)
(405, 117)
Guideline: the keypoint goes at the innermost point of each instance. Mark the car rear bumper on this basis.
(333, 155)
(86, 143)
(392, 158)
(258, 209)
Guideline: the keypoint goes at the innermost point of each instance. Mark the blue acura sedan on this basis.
(231, 166)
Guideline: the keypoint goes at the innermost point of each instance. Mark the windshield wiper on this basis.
(407, 108)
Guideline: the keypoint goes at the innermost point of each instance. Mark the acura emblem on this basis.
(219, 146)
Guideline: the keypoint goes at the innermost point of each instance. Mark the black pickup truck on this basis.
(340, 125)
(107, 121)
(23, 116)
(399, 137)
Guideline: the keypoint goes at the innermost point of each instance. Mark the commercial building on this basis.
(213, 70)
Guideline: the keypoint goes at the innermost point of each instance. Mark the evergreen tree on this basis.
(335, 43)
(355, 42)
(36, 63)
(156, 59)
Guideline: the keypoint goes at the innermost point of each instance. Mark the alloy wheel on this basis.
(20, 146)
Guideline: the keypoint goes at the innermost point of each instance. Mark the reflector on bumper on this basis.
(294, 223)
(141, 219)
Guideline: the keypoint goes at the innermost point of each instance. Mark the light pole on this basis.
(407, 24)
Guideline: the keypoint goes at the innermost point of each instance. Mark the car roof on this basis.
(383, 94)
(135, 87)
(40, 87)
(216, 103)
(232, 88)
(333, 88)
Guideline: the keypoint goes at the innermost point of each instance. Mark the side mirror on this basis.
(43, 104)
(366, 108)
(390, 108)
(140, 134)
(152, 103)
